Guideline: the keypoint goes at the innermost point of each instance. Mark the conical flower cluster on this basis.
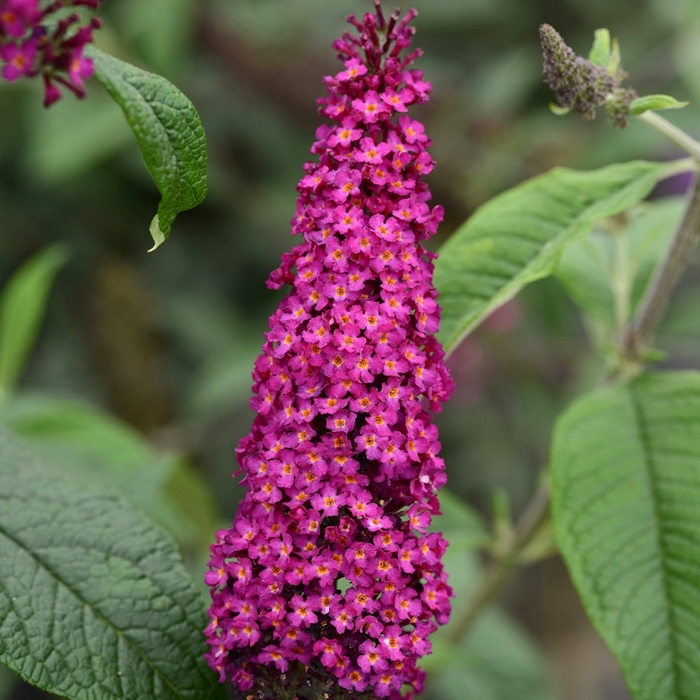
(40, 38)
(328, 577)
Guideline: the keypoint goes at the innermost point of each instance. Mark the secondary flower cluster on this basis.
(581, 85)
(46, 41)
(328, 576)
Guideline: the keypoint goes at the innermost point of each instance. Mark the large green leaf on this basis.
(94, 599)
(79, 439)
(22, 307)
(625, 475)
(169, 133)
(518, 237)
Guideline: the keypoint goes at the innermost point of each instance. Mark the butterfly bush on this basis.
(46, 40)
(328, 576)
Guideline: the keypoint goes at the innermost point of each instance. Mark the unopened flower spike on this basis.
(328, 582)
(42, 39)
(582, 85)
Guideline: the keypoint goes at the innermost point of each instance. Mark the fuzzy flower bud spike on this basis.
(328, 583)
(581, 85)
(46, 39)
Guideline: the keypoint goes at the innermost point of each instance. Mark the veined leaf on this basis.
(625, 476)
(95, 601)
(169, 133)
(83, 441)
(22, 307)
(518, 237)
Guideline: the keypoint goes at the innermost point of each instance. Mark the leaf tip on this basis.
(157, 234)
(558, 110)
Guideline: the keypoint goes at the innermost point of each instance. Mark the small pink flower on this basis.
(355, 69)
(19, 59)
(18, 16)
(80, 68)
(398, 100)
(371, 107)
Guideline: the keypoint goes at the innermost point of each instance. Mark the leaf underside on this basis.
(625, 474)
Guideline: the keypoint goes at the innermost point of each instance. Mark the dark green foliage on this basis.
(94, 601)
(169, 133)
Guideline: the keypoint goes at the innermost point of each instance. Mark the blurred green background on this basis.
(140, 375)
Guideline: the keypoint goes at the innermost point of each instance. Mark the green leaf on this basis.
(169, 133)
(601, 49)
(518, 237)
(95, 601)
(588, 270)
(644, 104)
(22, 306)
(79, 439)
(625, 476)
(615, 58)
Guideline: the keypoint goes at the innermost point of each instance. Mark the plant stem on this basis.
(620, 277)
(497, 576)
(658, 293)
(673, 133)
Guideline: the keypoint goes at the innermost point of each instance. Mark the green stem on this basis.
(620, 278)
(658, 293)
(495, 579)
(673, 133)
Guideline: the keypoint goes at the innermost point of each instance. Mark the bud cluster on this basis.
(581, 85)
(329, 577)
(46, 39)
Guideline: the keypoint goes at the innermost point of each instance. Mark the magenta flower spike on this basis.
(328, 580)
(42, 39)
